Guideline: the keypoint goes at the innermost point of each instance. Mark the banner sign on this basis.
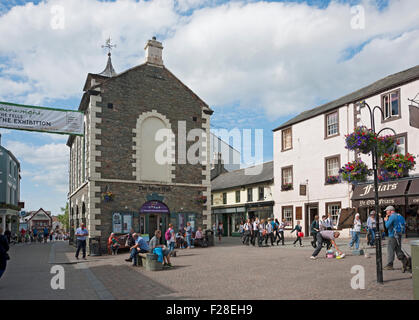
(15, 116)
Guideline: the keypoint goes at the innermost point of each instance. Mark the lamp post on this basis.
(374, 156)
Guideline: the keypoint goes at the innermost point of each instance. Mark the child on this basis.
(298, 229)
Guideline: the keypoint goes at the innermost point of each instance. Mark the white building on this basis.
(311, 147)
(229, 155)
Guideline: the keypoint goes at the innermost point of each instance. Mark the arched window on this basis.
(154, 157)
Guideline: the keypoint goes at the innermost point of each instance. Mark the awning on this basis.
(413, 195)
(389, 193)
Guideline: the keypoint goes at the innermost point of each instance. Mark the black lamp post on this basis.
(374, 156)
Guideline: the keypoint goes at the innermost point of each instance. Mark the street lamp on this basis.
(374, 156)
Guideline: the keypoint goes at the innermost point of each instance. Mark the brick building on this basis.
(116, 182)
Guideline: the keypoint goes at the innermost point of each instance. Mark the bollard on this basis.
(415, 268)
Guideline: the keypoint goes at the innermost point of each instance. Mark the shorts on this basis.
(166, 252)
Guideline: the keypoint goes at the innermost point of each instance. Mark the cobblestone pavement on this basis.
(227, 271)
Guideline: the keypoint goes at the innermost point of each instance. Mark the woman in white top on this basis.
(356, 231)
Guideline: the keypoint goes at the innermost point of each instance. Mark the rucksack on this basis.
(167, 235)
(400, 224)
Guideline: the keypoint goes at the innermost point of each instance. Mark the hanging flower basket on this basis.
(362, 139)
(355, 171)
(386, 144)
(202, 199)
(333, 179)
(394, 166)
(107, 196)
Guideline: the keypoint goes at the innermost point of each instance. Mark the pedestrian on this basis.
(298, 228)
(269, 232)
(170, 238)
(394, 226)
(372, 228)
(188, 230)
(241, 230)
(8, 235)
(247, 232)
(262, 232)
(315, 228)
(356, 231)
(326, 235)
(81, 234)
(323, 223)
(4, 256)
(220, 231)
(46, 234)
(329, 222)
(382, 226)
(281, 227)
(255, 235)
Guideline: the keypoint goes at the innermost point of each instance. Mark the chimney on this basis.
(153, 52)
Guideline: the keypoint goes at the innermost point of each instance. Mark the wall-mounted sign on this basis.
(116, 223)
(155, 189)
(154, 207)
(21, 117)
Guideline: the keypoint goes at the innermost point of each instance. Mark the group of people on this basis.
(29, 236)
(255, 231)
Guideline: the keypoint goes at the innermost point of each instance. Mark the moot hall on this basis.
(115, 181)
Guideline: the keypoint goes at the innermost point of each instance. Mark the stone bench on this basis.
(149, 261)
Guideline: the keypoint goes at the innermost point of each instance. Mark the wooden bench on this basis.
(149, 261)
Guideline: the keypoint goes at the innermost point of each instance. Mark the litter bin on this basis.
(94, 247)
(210, 236)
(415, 268)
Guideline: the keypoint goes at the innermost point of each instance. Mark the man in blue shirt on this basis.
(81, 234)
(140, 246)
(392, 223)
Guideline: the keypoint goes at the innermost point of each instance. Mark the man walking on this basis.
(281, 232)
(81, 235)
(394, 226)
(314, 228)
(247, 232)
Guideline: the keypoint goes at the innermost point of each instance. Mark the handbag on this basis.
(300, 234)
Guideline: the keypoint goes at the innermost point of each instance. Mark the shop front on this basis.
(412, 212)
(402, 194)
(231, 219)
(261, 210)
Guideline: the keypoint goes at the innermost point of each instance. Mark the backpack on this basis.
(400, 224)
(167, 235)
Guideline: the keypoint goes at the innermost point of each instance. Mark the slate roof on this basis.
(377, 87)
(238, 178)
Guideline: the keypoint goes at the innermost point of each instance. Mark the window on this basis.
(237, 196)
(261, 193)
(334, 210)
(303, 190)
(224, 198)
(402, 143)
(391, 104)
(332, 124)
(249, 195)
(332, 169)
(286, 139)
(287, 214)
(212, 199)
(287, 178)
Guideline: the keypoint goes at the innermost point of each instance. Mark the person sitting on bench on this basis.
(140, 246)
(199, 237)
(155, 243)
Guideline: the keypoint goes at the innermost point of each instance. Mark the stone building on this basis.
(116, 181)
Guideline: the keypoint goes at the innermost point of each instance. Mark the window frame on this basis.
(325, 165)
(289, 227)
(326, 135)
(224, 197)
(251, 197)
(238, 196)
(292, 177)
(282, 139)
(263, 193)
(403, 135)
(333, 203)
(391, 118)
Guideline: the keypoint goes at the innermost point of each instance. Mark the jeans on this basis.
(320, 240)
(81, 244)
(269, 236)
(171, 246)
(280, 235)
(246, 238)
(372, 232)
(355, 239)
(189, 241)
(313, 243)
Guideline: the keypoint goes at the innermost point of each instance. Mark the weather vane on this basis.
(109, 46)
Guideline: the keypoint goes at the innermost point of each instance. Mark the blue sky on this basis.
(257, 64)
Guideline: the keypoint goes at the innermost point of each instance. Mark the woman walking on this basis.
(298, 229)
(4, 247)
(220, 231)
(356, 230)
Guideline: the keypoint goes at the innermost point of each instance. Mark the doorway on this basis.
(312, 210)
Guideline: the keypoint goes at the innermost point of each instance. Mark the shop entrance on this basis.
(312, 210)
(154, 215)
